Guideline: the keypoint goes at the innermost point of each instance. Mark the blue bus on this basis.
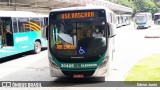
(21, 31)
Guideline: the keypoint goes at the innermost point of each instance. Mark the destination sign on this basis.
(77, 15)
(66, 47)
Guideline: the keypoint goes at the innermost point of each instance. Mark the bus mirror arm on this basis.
(112, 36)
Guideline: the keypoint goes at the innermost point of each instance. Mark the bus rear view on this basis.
(78, 43)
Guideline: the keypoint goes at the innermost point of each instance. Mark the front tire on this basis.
(37, 47)
(137, 28)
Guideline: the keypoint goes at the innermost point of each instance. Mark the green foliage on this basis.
(140, 5)
(146, 6)
(126, 3)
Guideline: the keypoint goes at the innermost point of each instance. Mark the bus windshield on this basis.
(157, 18)
(140, 19)
(78, 39)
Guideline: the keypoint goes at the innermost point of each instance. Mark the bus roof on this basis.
(20, 14)
(144, 13)
(157, 14)
(82, 8)
(117, 15)
(126, 15)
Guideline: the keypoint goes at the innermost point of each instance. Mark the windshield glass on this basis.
(157, 18)
(81, 38)
(140, 19)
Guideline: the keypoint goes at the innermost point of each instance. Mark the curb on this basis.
(152, 36)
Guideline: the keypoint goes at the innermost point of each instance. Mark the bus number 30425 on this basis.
(67, 65)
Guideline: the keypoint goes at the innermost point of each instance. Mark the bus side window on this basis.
(23, 24)
(35, 24)
(15, 27)
(42, 24)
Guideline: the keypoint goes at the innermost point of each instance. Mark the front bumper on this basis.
(99, 72)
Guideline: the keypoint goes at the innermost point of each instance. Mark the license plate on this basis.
(78, 75)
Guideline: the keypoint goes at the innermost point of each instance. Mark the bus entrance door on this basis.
(7, 36)
(1, 37)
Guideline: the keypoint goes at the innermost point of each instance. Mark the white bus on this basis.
(119, 21)
(81, 41)
(123, 20)
(157, 18)
(143, 20)
(126, 19)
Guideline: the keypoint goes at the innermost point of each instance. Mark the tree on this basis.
(140, 5)
(127, 3)
(145, 6)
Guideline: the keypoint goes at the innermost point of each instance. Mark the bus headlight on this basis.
(103, 64)
(52, 63)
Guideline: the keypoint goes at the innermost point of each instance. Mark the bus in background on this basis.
(157, 18)
(118, 21)
(20, 31)
(126, 19)
(143, 20)
(123, 20)
(81, 41)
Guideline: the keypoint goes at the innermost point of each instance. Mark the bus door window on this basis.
(53, 35)
(7, 33)
(55, 29)
(0, 33)
(58, 30)
(3, 32)
(35, 25)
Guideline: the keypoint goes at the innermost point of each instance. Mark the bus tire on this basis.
(37, 47)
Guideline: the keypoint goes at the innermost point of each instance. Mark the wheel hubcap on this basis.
(37, 47)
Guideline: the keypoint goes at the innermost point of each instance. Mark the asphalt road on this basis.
(131, 46)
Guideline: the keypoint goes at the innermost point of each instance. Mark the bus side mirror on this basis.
(112, 33)
(111, 29)
(45, 33)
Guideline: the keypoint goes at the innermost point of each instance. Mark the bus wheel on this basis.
(37, 47)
